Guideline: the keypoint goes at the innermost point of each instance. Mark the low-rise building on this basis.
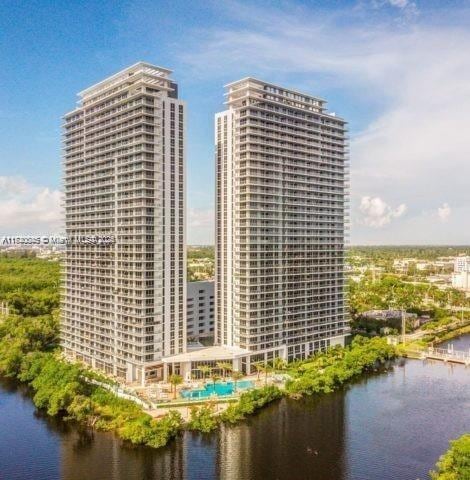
(461, 275)
(461, 264)
(386, 314)
(461, 280)
(200, 310)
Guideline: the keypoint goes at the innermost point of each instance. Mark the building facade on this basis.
(461, 275)
(200, 310)
(461, 264)
(281, 215)
(124, 291)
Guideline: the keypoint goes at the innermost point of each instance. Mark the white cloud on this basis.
(400, 3)
(28, 209)
(200, 226)
(415, 79)
(200, 217)
(444, 212)
(408, 8)
(377, 213)
(12, 185)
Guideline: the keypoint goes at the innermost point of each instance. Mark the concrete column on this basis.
(185, 368)
(236, 364)
(129, 372)
(284, 352)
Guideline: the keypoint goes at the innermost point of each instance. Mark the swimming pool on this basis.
(220, 389)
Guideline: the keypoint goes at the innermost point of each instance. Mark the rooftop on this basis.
(274, 85)
(215, 353)
(138, 67)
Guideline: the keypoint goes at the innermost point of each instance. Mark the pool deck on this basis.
(162, 397)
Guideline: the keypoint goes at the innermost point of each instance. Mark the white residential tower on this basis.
(281, 203)
(123, 305)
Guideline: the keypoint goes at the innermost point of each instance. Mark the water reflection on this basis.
(89, 455)
(392, 426)
(291, 440)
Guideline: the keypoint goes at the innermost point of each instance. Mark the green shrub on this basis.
(203, 418)
(249, 402)
(455, 463)
(326, 371)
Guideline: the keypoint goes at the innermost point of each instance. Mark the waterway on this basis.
(389, 426)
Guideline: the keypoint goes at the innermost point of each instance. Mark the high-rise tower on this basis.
(123, 304)
(281, 202)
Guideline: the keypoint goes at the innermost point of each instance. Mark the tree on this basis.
(214, 378)
(455, 463)
(266, 368)
(205, 370)
(203, 418)
(259, 367)
(279, 363)
(225, 367)
(174, 381)
(236, 375)
(262, 367)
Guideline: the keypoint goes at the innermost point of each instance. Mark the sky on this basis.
(397, 70)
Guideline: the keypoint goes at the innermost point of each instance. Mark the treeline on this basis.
(326, 371)
(200, 252)
(422, 252)
(29, 286)
(30, 352)
(391, 292)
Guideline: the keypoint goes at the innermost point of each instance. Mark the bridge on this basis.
(447, 355)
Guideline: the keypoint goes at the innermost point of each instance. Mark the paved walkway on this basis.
(184, 411)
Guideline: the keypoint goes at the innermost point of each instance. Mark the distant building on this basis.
(200, 310)
(386, 314)
(461, 275)
(461, 264)
(461, 280)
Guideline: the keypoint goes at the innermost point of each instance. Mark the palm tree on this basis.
(205, 370)
(259, 367)
(265, 367)
(214, 378)
(279, 363)
(236, 375)
(225, 367)
(175, 380)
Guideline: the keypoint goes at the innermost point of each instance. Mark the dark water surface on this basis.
(391, 426)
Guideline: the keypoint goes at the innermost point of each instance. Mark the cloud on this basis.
(12, 185)
(200, 217)
(29, 209)
(377, 213)
(444, 212)
(398, 3)
(411, 86)
(408, 8)
(401, 3)
(200, 226)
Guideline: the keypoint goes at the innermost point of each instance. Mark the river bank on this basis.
(381, 425)
(73, 392)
